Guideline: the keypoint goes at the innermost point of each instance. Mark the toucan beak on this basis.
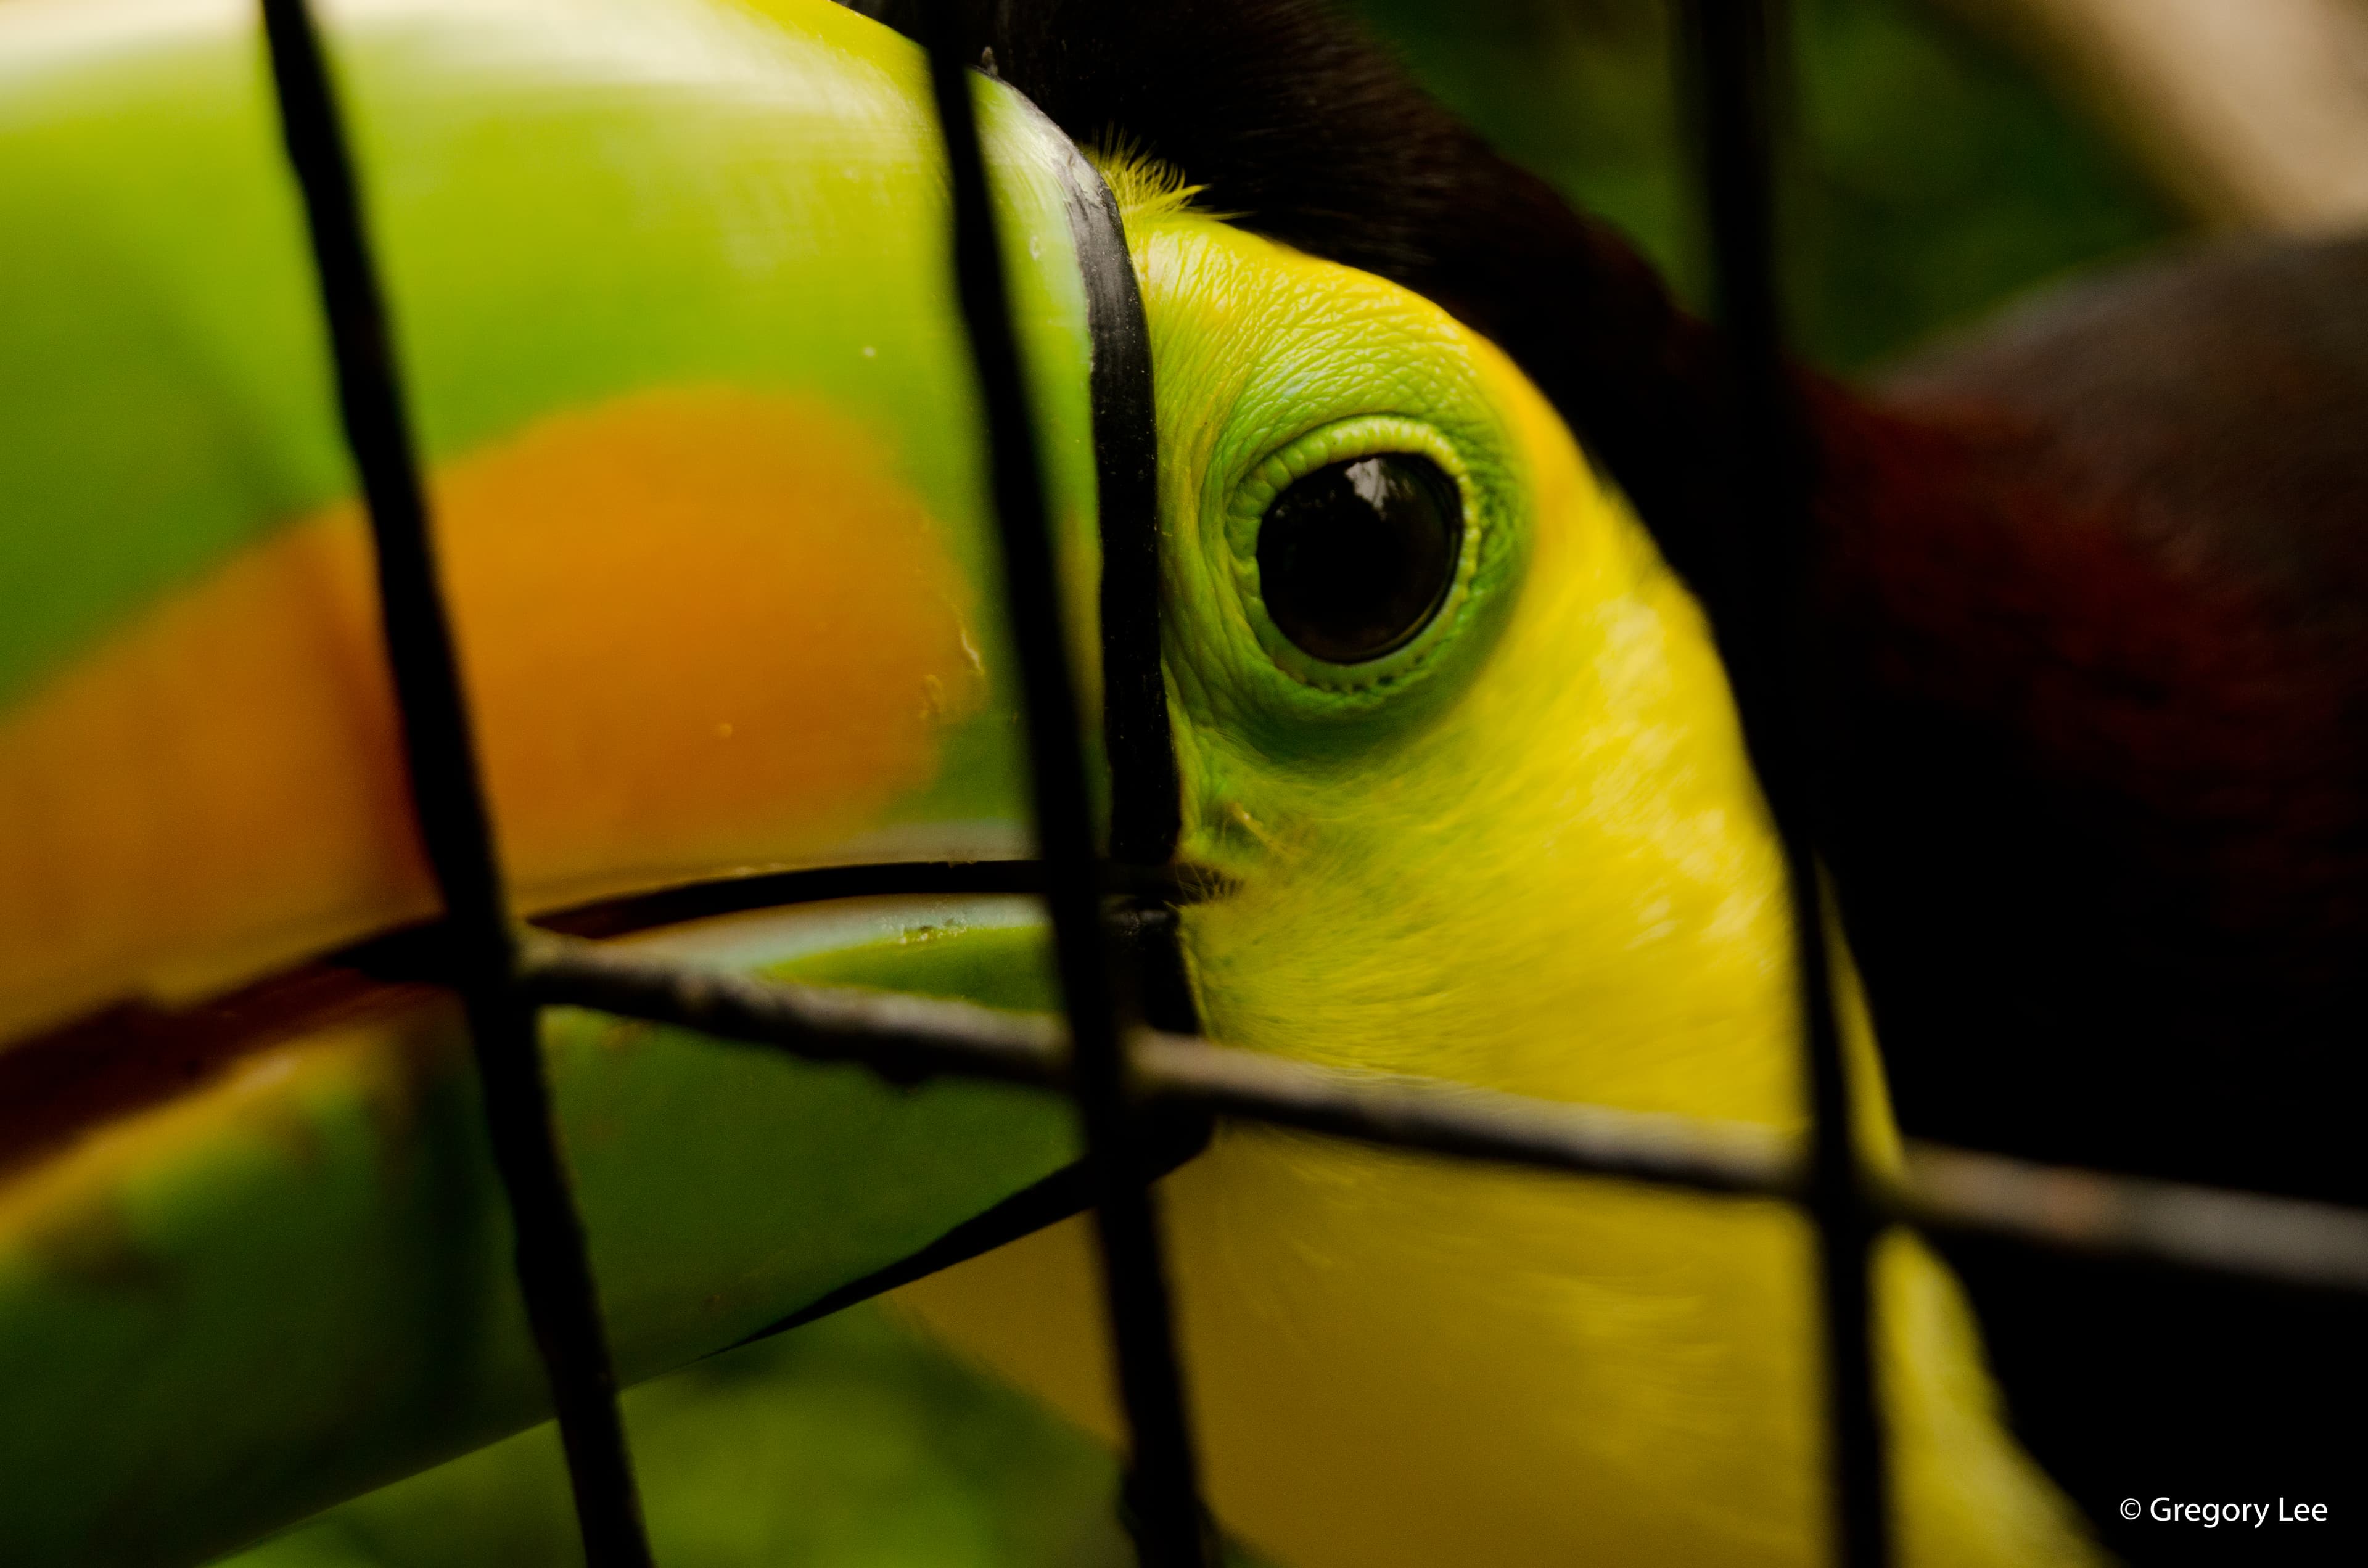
(676, 314)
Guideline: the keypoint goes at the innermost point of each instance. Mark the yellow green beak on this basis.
(675, 304)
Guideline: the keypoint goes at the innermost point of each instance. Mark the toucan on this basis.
(1458, 784)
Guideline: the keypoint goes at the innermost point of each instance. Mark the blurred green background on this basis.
(1931, 177)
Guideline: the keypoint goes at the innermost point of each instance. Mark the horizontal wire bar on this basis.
(2289, 1239)
(903, 1039)
(1436, 1117)
(908, 1039)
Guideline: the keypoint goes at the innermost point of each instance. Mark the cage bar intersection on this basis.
(1120, 1072)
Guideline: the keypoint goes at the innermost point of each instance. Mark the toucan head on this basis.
(1450, 781)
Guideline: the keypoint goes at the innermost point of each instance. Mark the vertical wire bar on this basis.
(1762, 588)
(554, 1268)
(1162, 1488)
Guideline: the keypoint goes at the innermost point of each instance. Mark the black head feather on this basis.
(1294, 118)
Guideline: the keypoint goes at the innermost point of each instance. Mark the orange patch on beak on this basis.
(700, 630)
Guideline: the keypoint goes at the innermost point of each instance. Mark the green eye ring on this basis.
(1437, 556)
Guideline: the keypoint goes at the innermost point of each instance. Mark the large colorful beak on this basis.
(673, 295)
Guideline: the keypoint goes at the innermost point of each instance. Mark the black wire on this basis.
(554, 1268)
(1163, 1489)
(1759, 603)
(2279, 1242)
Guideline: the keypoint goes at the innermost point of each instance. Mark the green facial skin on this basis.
(1297, 383)
(292, 1281)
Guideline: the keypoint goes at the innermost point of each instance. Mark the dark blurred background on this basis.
(1932, 175)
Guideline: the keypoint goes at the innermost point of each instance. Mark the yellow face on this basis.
(1546, 781)
(1521, 848)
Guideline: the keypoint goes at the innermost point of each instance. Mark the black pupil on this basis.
(1356, 558)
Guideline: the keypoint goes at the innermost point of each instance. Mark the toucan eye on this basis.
(1355, 558)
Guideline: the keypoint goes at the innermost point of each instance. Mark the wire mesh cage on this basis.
(1127, 1052)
